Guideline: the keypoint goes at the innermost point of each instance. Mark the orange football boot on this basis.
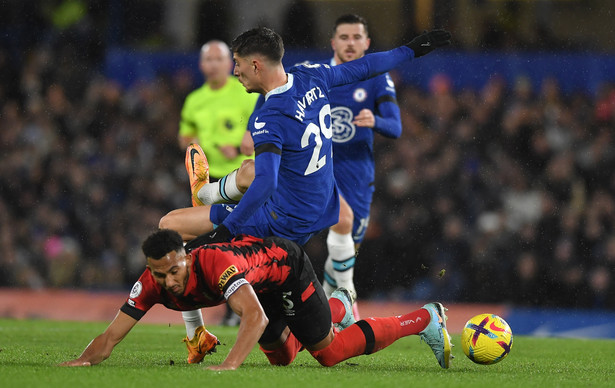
(202, 344)
(198, 171)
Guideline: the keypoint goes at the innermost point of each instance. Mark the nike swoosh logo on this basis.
(193, 152)
(258, 125)
(426, 44)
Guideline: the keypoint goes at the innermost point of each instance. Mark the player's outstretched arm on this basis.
(376, 63)
(100, 348)
(252, 325)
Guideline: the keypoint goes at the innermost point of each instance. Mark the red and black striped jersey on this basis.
(217, 271)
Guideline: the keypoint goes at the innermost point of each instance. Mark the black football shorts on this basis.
(300, 303)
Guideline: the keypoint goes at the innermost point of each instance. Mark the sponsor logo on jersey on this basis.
(287, 304)
(341, 123)
(136, 290)
(359, 95)
(259, 132)
(257, 124)
(131, 303)
(226, 275)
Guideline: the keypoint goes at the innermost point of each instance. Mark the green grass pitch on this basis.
(153, 355)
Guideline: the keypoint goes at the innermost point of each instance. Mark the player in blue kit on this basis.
(358, 110)
(289, 189)
(293, 193)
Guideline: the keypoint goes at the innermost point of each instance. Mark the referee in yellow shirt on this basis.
(216, 115)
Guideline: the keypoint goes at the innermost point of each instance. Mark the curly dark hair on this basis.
(161, 242)
(260, 40)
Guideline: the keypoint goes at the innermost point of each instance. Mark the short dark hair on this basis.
(161, 242)
(351, 18)
(260, 40)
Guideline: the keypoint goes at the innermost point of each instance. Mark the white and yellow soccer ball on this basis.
(486, 339)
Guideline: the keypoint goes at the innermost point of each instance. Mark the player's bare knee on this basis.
(344, 225)
(165, 221)
(346, 218)
(169, 221)
(245, 175)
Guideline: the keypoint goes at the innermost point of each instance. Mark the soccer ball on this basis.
(486, 339)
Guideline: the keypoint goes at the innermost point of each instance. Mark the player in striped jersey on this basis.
(291, 191)
(271, 285)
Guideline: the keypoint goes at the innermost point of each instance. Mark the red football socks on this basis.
(347, 343)
(371, 335)
(337, 310)
(414, 322)
(286, 353)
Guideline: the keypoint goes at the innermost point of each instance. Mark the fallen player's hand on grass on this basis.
(222, 367)
(76, 363)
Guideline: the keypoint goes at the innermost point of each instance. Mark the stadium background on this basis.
(503, 176)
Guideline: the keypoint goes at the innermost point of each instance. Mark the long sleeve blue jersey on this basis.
(292, 132)
(353, 145)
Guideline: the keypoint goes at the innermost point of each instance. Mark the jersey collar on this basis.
(283, 88)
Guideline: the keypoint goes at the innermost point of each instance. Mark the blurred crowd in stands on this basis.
(499, 194)
(504, 194)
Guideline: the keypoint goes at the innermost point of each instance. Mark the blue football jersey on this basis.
(294, 181)
(353, 145)
(297, 119)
